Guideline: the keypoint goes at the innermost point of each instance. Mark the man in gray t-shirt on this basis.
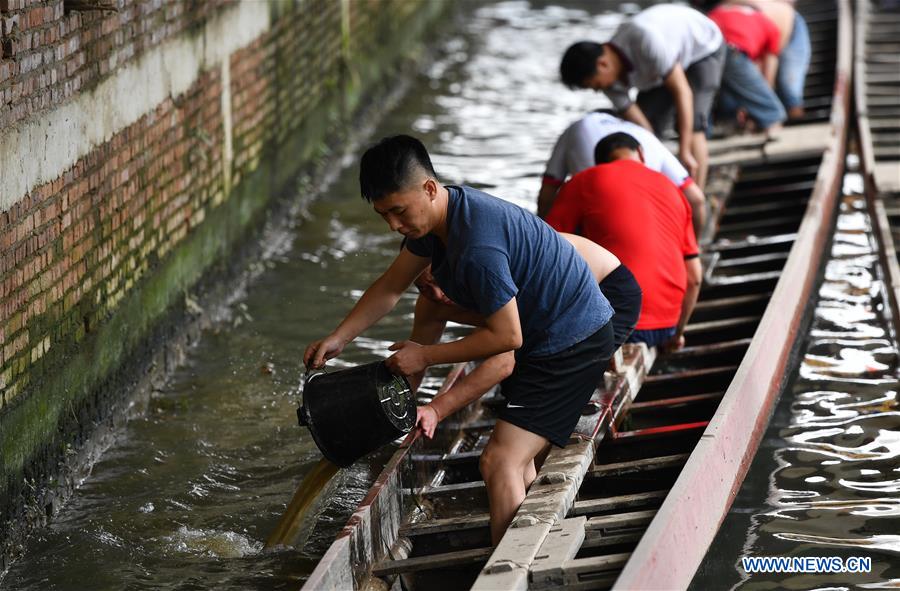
(674, 56)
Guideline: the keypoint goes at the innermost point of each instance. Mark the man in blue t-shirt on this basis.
(542, 324)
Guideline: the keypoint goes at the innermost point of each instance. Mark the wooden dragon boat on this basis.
(635, 499)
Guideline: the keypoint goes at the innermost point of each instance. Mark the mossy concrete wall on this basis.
(136, 151)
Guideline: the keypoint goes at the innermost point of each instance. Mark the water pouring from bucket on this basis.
(350, 413)
(306, 495)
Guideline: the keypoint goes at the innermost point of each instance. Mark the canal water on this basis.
(826, 479)
(196, 483)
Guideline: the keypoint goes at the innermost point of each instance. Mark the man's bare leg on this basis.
(504, 462)
(530, 474)
(532, 469)
(700, 150)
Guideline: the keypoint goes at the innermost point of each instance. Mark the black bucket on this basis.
(355, 411)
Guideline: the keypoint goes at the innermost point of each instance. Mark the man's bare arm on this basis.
(683, 96)
(769, 68)
(546, 197)
(694, 280)
(634, 114)
(697, 199)
(502, 332)
(379, 299)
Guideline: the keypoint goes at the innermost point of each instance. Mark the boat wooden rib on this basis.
(635, 498)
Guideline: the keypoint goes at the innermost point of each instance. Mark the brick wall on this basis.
(115, 203)
(49, 53)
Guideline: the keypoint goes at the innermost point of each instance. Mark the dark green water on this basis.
(188, 495)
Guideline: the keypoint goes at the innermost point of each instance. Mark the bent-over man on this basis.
(542, 324)
(673, 55)
(642, 218)
(574, 152)
(751, 66)
(796, 51)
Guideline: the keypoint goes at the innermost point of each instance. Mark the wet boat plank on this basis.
(641, 465)
(452, 489)
(598, 540)
(705, 350)
(887, 176)
(591, 506)
(610, 523)
(675, 401)
(448, 458)
(661, 431)
(432, 561)
(595, 572)
(787, 142)
(449, 524)
(561, 545)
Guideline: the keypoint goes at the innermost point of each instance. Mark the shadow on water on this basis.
(826, 478)
(199, 480)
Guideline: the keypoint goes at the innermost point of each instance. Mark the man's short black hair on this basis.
(579, 63)
(390, 166)
(614, 141)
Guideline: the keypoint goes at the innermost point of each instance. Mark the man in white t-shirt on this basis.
(574, 152)
(674, 56)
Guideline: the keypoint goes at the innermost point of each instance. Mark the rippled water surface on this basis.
(826, 480)
(187, 497)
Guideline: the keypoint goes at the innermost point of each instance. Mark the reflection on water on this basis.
(826, 479)
(187, 497)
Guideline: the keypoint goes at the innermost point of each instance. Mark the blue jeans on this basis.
(744, 87)
(793, 65)
(653, 337)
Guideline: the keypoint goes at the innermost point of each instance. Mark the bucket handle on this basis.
(302, 414)
(313, 373)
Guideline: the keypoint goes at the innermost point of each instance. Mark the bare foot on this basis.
(795, 113)
(772, 131)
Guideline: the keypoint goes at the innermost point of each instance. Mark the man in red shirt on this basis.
(751, 65)
(641, 217)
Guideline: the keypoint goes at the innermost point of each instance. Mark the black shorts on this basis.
(545, 395)
(624, 295)
(704, 76)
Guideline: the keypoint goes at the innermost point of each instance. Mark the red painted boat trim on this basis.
(673, 546)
